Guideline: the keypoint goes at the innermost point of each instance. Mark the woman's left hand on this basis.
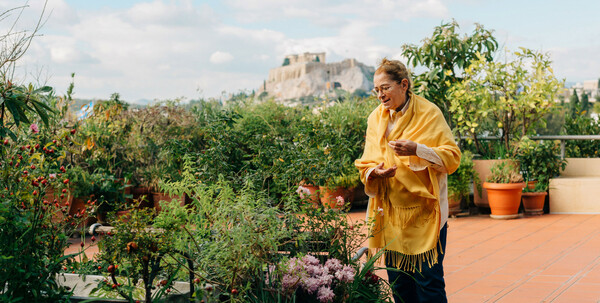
(404, 147)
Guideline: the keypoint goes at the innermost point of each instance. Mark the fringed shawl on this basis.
(404, 216)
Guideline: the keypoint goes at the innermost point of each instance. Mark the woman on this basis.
(409, 151)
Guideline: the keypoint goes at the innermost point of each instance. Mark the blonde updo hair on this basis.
(396, 70)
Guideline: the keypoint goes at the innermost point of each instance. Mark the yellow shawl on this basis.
(405, 214)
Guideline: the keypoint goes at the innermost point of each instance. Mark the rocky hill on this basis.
(309, 75)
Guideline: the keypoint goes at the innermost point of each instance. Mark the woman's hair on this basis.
(396, 70)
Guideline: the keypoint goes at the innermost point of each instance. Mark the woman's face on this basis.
(391, 93)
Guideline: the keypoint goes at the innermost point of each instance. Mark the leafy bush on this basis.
(505, 172)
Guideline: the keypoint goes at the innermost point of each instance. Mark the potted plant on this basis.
(504, 186)
(539, 161)
(459, 183)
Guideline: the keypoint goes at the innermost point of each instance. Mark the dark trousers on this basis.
(426, 286)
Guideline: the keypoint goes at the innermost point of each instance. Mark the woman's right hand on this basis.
(380, 172)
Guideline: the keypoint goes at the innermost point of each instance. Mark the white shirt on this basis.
(426, 157)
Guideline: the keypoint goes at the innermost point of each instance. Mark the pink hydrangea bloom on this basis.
(325, 294)
(311, 284)
(289, 283)
(346, 274)
(310, 260)
(333, 265)
(314, 270)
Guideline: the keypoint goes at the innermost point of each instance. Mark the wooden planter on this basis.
(504, 199)
(533, 203)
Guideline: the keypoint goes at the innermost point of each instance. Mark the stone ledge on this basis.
(575, 195)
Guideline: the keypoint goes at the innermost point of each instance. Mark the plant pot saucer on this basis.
(505, 217)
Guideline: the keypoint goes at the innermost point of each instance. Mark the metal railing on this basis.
(562, 138)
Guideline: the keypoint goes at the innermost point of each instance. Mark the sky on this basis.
(191, 49)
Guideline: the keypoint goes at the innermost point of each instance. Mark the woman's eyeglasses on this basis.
(383, 89)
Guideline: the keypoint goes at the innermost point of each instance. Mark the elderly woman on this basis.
(409, 151)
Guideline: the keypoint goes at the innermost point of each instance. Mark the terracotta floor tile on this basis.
(550, 278)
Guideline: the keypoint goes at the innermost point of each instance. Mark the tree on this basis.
(446, 55)
(573, 102)
(515, 95)
(19, 102)
(585, 103)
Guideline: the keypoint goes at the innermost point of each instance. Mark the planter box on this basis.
(577, 189)
(81, 289)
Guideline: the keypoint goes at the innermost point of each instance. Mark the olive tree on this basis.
(445, 55)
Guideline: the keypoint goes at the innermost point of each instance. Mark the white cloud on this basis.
(219, 57)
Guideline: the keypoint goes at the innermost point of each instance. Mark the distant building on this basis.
(308, 74)
(590, 87)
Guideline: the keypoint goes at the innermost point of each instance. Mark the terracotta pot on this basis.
(533, 203)
(453, 206)
(157, 197)
(143, 196)
(329, 197)
(482, 167)
(504, 199)
(311, 194)
(531, 184)
(123, 215)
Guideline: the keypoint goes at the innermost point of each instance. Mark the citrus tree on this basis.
(445, 55)
(514, 94)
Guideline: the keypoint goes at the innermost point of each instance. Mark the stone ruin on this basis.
(308, 74)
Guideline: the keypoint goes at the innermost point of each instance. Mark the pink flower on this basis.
(303, 192)
(310, 285)
(346, 274)
(333, 265)
(310, 260)
(325, 294)
(340, 201)
(289, 283)
(34, 128)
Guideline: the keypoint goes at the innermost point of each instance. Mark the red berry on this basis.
(5, 141)
(99, 267)
(37, 146)
(35, 192)
(25, 172)
(73, 131)
(111, 268)
(35, 183)
(66, 181)
(114, 286)
(32, 166)
(64, 190)
(196, 280)
(54, 141)
(234, 291)
(81, 244)
(93, 238)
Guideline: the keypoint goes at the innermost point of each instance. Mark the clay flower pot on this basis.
(453, 206)
(310, 194)
(504, 199)
(533, 203)
(336, 198)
